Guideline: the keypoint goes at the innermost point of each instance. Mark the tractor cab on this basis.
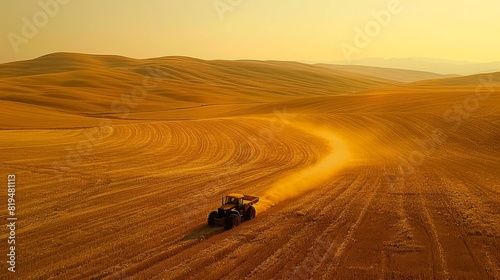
(233, 199)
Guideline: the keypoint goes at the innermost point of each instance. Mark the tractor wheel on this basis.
(232, 222)
(250, 213)
(211, 218)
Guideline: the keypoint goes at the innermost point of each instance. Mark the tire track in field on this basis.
(335, 218)
(432, 230)
(403, 238)
(330, 271)
(469, 216)
(287, 255)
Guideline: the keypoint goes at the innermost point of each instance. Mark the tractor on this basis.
(235, 209)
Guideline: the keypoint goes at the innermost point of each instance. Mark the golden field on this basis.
(362, 173)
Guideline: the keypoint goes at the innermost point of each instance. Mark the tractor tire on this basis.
(211, 218)
(232, 221)
(250, 213)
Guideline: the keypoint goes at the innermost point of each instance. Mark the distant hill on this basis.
(473, 80)
(401, 75)
(429, 65)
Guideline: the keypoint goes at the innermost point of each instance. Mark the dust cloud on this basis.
(309, 177)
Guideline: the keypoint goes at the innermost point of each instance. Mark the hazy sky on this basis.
(304, 30)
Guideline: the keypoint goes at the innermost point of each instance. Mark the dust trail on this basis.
(311, 176)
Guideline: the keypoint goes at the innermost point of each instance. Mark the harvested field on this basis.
(119, 161)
